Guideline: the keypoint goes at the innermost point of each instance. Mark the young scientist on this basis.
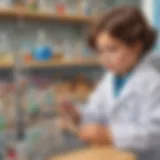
(125, 107)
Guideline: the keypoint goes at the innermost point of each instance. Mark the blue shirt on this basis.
(118, 84)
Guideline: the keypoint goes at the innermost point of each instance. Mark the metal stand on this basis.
(20, 125)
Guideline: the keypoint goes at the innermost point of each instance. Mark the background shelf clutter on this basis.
(43, 55)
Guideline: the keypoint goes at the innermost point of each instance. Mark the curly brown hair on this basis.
(126, 23)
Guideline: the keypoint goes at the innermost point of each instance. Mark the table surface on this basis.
(96, 153)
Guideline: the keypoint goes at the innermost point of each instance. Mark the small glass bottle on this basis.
(46, 5)
(5, 48)
(71, 7)
(84, 7)
(25, 53)
(33, 107)
(61, 6)
(31, 4)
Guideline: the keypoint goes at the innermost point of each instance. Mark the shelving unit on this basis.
(52, 64)
(17, 67)
(6, 65)
(63, 63)
(22, 13)
(22, 16)
(37, 15)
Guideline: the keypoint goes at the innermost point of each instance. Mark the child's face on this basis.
(115, 55)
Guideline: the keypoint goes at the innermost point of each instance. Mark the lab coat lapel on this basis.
(116, 102)
(110, 94)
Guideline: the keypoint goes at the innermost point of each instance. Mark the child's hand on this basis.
(96, 134)
(68, 113)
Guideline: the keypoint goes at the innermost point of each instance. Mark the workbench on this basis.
(96, 153)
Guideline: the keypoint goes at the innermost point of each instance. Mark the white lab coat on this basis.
(134, 116)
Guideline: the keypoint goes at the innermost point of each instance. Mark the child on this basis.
(127, 99)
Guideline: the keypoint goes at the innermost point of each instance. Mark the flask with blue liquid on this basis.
(42, 51)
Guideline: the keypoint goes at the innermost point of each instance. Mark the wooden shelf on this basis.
(64, 63)
(51, 64)
(36, 15)
(96, 153)
(6, 65)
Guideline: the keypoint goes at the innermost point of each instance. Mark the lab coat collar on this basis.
(130, 85)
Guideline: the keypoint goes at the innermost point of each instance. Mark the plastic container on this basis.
(11, 154)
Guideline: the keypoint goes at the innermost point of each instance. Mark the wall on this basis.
(147, 6)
